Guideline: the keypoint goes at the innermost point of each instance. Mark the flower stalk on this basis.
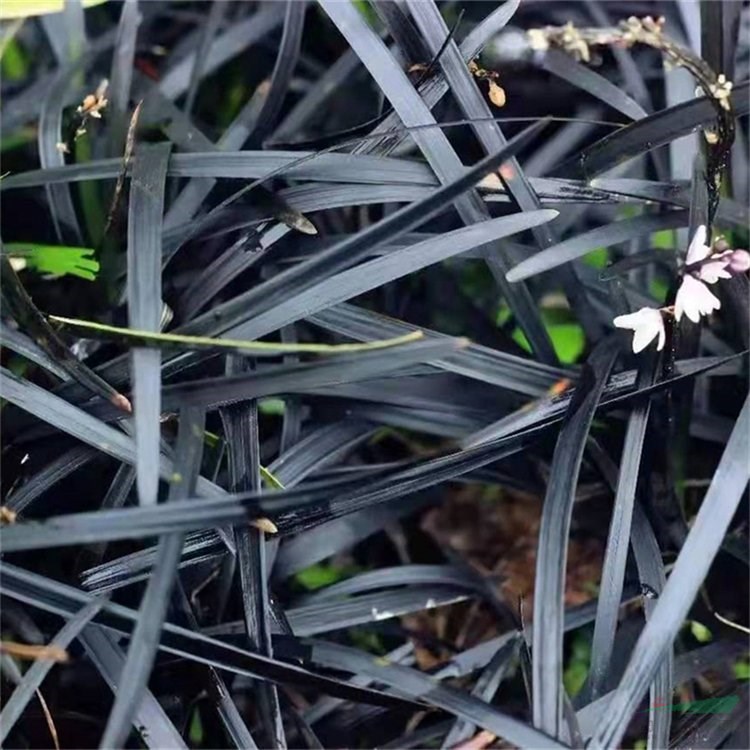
(650, 32)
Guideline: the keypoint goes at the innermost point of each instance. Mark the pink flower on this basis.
(694, 299)
(647, 324)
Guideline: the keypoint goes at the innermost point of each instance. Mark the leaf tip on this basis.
(122, 402)
(265, 525)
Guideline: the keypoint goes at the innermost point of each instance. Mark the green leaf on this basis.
(367, 12)
(700, 632)
(195, 733)
(270, 479)
(741, 669)
(56, 259)
(14, 62)
(597, 258)
(577, 668)
(94, 212)
(274, 407)
(658, 289)
(568, 339)
(664, 239)
(367, 640)
(320, 575)
(16, 139)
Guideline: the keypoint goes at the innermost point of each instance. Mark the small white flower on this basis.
(694, 299)
(715, 265)
(698, 249)
(716, 268)
(646, 324)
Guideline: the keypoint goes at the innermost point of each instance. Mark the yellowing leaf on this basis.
(150, 338)
(23, 8)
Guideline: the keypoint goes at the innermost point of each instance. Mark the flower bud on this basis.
(739, 261)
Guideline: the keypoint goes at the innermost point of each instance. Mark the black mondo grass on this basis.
(363, 383)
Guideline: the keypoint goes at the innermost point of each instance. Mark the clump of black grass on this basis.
(307, 310)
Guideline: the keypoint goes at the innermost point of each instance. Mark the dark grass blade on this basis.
(473, 105)
(675, 193)
(121, 75)
(55, 471)
(306, 376)
(329, 538)
(19, 304)
(316, 98)
(65, 600)
(648, 559)
(619, 388)
(243, 165)
(16, 703)
(350, 169)
(402, 32)
(345, 254)
(485, 688)
(286, 60)
(26, 347)
(567, 139)
(76, 422)
(719, 28)
(439, 154)
(262, 106)
(553, 538)
(649, 133)
(374, 273)
(152, 723)
(687, 666)
(320, 709)
(418, 685)
(691, 568)
(291, 425)
(401, 575)
(377, 272)
(331, 616)
(613, 571)
(292, 510)
(115, 497)
(224, 47)
(482, 363)
(144, 642)
(432, 90)
(50, 131)
(241, 433)
(144, 306)
(231, 718)
(707, 732)
(322, 447)
(564, 66)
(214, 20)
(604, 236)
